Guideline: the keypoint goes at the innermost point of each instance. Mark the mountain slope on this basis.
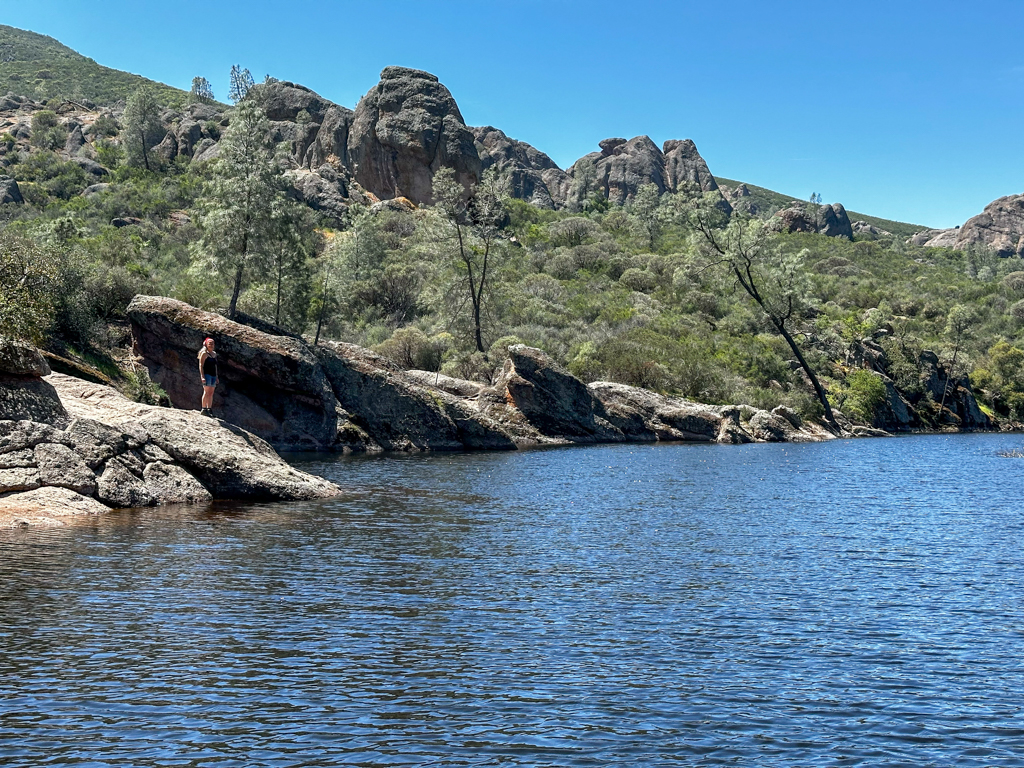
(767, 200)
(40, 67)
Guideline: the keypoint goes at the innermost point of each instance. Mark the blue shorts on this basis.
(211, 381)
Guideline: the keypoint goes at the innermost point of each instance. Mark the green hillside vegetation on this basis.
(642, 294)
(769, 200)
(41, 68)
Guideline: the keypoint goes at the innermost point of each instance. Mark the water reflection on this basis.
(848, 603)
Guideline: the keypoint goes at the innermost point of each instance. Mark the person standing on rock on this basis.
(208, 374)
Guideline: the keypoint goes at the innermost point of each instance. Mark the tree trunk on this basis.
(819, 390)
(949, 372)
(235, 292)
(277, 310)
(145, 152)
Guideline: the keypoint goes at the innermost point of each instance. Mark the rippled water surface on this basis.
(849, 603)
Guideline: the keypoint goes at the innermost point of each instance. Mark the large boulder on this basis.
(404, 130)
(622, 167)
(269, 385)
(829, 220)
(285, 101)
(403, 412)
(552, 400)
(9, 191)
(24, 395)
(228, 462)
(999, 227)
(644, 415)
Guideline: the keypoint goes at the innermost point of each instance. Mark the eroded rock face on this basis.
(269, 385)
(23, 393)
(406, 128)
(999, 227)
(529, 169)
(401, 412)
(622, 167)
(829, 220)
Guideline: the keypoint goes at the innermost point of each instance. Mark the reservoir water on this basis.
(847, 603)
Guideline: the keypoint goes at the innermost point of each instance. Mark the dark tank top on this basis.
(210, 365)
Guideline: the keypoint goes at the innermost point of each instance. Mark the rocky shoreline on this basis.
(70, 446)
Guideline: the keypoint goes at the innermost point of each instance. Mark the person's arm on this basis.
(202, 359)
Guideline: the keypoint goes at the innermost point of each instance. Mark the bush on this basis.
(140, 388)
(639, 280)
(865, 393)
(28, 280)
(47, 131)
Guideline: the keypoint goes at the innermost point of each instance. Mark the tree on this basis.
(47, 130)
(643, 210)
(470, 230)
(335, 254)
(749, 250)
(142, 129)
(958, 326)
(288, 246)
(247, 183)
(201, 91)
(28, 276)
(241, 83)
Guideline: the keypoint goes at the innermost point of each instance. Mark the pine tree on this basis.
(244, 192)
(142, 129)
(202, 91)
(241, 83)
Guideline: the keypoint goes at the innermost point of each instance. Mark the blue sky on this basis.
(905, 110)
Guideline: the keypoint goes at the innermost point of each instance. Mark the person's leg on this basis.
(207, 397)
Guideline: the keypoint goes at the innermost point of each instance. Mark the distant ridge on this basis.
(767, 199)
(40, 67)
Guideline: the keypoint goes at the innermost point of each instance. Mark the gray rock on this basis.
(90, 166)
(319, 193)
(397, 411)
(999, 227)
(229, 462)
(528, 169)
(833, 221)
(75, 141)
(61, 467)
(170, 484)
(119, 487)
(205, 151)
(22, 434)
(187, 136)
(449, 384)
(96, 189)
(644, 415)
(406, 128)
(331, 143)
(624, 166)
(284, 101)
(771, 429)
(23, 394)
(168, 148)
(865, 231)
(18, 479)
(9, 191)
(552, 400)
(20, 359)
(18, 459)
(46, 507)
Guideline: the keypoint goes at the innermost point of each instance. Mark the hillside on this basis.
(769, 200)
(40, 67)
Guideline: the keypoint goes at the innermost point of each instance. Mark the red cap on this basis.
(208, 338)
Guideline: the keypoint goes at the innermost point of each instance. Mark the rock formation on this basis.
(68, 446)
(270, 385)
(999, 227)
(342, 397)
(534, 176)
(829, 220)
(622, 167)
(406, 128)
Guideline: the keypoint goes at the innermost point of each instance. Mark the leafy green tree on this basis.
(289, 245)
(325, 298)
(246, 189)
(774, 281)
(202, 91)
(142, 129)
(241, 84)
(470, 227)
(28, 274)
(957, 330)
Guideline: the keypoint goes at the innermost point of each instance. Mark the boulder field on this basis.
(337, 396)
(72, 447)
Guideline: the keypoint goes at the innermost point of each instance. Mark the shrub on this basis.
(865, 393)
(28, 277)
(1017, 309)
(639, 280)
(47, 131)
